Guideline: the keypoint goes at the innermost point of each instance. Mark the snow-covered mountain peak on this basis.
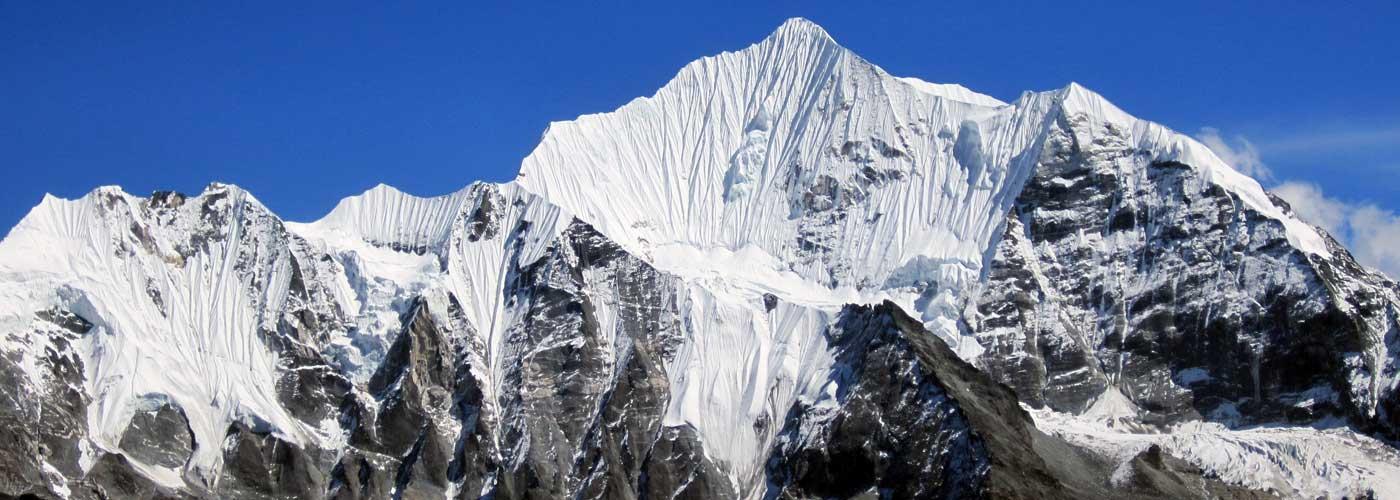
(62, 217)
(796, 149)
(179, 291)
(952, 91)
(799, 150)
(800, 34)
(800, 28)
(1098, 119)
(386, 216)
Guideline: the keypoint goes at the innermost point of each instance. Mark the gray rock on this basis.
(1118, 273)
(158, 435)
(260, 465)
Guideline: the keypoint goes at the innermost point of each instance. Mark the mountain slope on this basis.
(851, 178)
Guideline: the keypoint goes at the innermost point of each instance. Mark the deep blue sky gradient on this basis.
(308, 103)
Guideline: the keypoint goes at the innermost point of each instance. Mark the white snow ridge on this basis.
(766, 189)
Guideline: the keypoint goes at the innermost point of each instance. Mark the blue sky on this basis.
(306, 104)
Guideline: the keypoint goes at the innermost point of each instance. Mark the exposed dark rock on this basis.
(167, 199)
(893, 377)
(912, 420)
(158, 435)
(484, 222)
(677, 468)
(261, 465)
(1154, 473)
(41, 424)
(1116, 273)
(113, 477)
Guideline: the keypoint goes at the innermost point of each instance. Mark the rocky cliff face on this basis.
(1127, 285)
(787, 275)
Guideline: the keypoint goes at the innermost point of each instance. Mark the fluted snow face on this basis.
(850, 179)
(180, 295)
(189, 296)
(502, 231)
(385, 216)
(390, 245)
(395, 246)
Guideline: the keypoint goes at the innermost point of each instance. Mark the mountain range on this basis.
(787, 274)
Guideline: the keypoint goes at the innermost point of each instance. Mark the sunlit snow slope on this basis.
(854, 179)
(180, 293)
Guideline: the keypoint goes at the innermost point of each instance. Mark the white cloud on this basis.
(1375, 238)
(1313, 206)
(1371, 233)
(1332, 140)
(1242, 155)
